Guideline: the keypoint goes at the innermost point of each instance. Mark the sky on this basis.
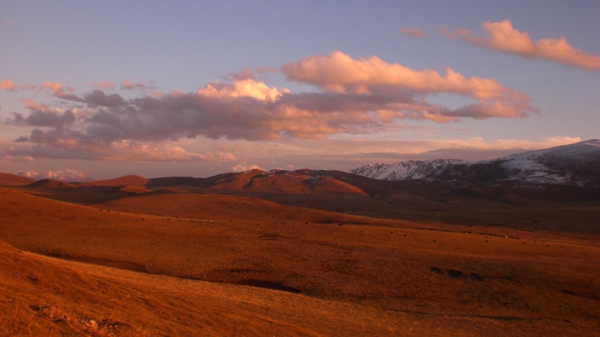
(101, 89)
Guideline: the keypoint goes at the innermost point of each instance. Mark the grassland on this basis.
(170, 263)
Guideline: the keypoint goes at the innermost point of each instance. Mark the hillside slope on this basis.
(7, 179)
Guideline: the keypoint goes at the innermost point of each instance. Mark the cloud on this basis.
(242, 87)
(8, 85)
(414, 32)
(128, 85)
(117, 151)
(103, 85)
(42, 115)
(68, 175)
(504, 38)
(99, 98)
(460, 32)
(418, 147)
(480, 143)
(341, 73)
(354, 96)
(241, 167)
(345, 154)
(230, 111)
(59, 91)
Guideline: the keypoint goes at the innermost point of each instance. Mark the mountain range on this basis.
(564, 172)
(576, 164)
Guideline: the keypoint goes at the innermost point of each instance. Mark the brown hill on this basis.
(130, 180)
(49, 183)
(302, 181)
(7, 179)
(173, 181)
(231, 181)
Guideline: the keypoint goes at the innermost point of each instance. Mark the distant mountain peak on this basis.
(575, 164)
(404, 170)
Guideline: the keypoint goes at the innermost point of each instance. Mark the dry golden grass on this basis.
(374, 277)
(42, 296)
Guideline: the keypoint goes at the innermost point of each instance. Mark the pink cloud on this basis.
(339, 72)
(356, 96)
(414, 32)
(460, 32)
(8, 85)
(136, 129)
(504, 38)
(507, 144)
(103, 85)
(244, 87)
(160, 152)
(346, 153)
(116, 151)
(59, 91)
(128, 85)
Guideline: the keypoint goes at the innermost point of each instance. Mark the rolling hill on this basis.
(129, 180)
(7, 179)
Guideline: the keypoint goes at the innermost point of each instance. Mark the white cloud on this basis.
(67, 175)
(241, 167)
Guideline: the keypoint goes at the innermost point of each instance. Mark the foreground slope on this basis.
(433, 282)
(43, 296)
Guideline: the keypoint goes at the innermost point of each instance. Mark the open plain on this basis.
(132, 260)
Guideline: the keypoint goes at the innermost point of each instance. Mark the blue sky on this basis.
(187, 45)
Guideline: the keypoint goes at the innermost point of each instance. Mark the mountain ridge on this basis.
(575, 164)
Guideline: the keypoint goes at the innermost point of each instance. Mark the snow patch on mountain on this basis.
(405, 170)
(572, 164)
(576, 164)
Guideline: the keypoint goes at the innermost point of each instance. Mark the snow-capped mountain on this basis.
(576, 164)
(404, 170)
